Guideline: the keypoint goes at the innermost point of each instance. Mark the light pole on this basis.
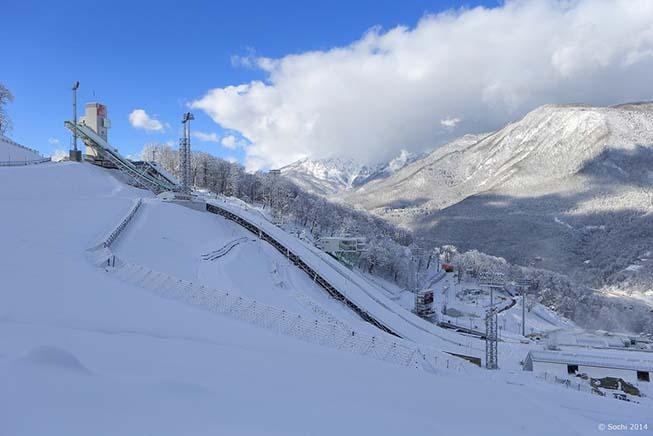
(523, 312)
(75, 155)
(185, 153)
(524, 284)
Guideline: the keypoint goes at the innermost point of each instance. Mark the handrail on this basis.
(111, 237)
(101, 252)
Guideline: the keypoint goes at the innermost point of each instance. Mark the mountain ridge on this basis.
(328, 176)
(567, 188)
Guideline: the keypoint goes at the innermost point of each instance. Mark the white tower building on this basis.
(95, 117)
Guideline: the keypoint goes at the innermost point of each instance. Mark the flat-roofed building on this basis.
(595, 365)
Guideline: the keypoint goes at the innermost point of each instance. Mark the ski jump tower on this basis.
(95, 117)
(92, 128)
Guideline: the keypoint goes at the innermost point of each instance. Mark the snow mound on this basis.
(55, 358)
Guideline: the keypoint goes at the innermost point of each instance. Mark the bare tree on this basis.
(5, 97)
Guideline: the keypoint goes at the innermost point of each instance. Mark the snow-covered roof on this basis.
(592, 360)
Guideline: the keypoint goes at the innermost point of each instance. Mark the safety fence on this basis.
(294, 258)
(113, 235)
(100, 253)
(321, 312)
(567, 383)
(326, 331)
(20, 163)
(323, 282)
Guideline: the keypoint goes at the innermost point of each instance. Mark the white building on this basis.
(95, 117)
(564, 364)
(342, 244)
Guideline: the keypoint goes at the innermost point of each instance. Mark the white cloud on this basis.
(389, 90)
(229, 142)
(53, 141)
(141, 120)
(231, 159)
(450, 122)
(59, 155)
(205, 137)
(232, 143)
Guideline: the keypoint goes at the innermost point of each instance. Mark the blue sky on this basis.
(158, 56)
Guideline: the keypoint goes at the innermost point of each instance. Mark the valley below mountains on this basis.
(567, 188)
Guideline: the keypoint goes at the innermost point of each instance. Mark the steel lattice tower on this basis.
(492, 281)
(491, 340)
(523, 285)
(185, 155)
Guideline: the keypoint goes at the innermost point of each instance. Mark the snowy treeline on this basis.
(558, 292)
(5, 98)
(391, 253)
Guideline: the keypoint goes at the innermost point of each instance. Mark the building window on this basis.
(643, 376)
(572, 369)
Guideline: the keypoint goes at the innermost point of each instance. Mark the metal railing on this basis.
(101, 253)
(113, 235)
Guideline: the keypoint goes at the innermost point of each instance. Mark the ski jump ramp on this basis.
(336, 279)
(352, 290)
(147, 177)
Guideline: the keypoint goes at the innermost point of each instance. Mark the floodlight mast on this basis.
(185, 153)
(74, 154)
(524, 285)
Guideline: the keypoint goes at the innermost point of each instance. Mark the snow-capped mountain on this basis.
(332, 175)
(566, 187)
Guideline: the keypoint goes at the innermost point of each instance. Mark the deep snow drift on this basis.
(83, 353)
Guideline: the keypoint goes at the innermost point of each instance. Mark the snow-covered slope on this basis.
(248, 267)
(82, 352)
(551, 143)
(12, 151)
(330, 176)
(565, 184)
